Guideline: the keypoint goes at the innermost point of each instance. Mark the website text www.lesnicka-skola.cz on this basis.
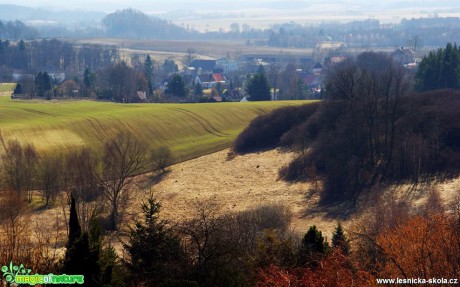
(433, 281)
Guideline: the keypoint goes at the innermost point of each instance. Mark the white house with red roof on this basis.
(208, 81)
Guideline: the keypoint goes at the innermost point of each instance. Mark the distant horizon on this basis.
(109, 6)
(205, 16)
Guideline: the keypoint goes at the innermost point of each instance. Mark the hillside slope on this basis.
(190, 130)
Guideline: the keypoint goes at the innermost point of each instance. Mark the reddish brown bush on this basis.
(334, 270)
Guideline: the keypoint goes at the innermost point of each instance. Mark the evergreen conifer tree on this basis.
(339, 240)
(83, 249)
(313, 247)
(154, 252)
(74, 224)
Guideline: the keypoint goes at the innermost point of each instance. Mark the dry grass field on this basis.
(177, 50)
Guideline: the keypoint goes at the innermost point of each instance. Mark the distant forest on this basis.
(134, 24)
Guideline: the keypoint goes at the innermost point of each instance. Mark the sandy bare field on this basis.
(247, 181)
(237, 184)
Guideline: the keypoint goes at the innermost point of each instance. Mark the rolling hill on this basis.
(190, 130)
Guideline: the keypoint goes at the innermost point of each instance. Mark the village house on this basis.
(211, 80)
(404, 56)
(203, 66)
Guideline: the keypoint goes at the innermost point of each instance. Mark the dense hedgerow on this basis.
(265, 132)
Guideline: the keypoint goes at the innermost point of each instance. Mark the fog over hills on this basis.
(214, 15)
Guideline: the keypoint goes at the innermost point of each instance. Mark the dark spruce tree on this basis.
(42, 84)
(258, 88)
(149, 74)
(313, 247)
(155, 253)
(176, 86)
(439, 70)
(339, 240)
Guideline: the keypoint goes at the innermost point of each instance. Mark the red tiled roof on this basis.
(218, 77)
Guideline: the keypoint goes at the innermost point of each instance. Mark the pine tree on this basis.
(176, 86)
(313, 247)
(42, 83)
(154, 252)
(339, 240)
(258, 88)
(148, 71)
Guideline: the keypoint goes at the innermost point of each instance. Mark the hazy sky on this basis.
(157, 5)
(261, 13)
(112, 5)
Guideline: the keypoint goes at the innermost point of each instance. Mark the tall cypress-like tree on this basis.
(42, 83)
(83, 249)
(74, 223)
(149, 75)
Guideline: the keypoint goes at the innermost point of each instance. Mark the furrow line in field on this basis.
(200, 119)
(98, 132)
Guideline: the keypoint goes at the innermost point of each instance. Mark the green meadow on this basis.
(190, 130)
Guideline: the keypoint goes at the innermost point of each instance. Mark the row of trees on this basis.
(54, 55)
(439, 70)
(90, 178)
(283, 83)
(15, 30)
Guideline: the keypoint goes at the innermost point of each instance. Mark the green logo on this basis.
(21, 275)
(10, 272)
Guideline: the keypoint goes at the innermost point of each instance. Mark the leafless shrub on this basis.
(161, 158)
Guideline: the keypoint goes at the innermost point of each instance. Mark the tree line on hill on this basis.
(54, 69)
(370, 130)
(133, 24)
(16, 30)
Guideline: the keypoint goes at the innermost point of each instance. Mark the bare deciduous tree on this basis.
(124, 157)
(161, 158)
(81, 179)
(50, 176)
(20, 167)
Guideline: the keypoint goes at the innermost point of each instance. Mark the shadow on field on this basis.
(338, 210)
(156, 177)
